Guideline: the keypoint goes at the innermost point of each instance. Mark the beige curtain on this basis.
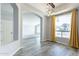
(53, 19)
(74, 30)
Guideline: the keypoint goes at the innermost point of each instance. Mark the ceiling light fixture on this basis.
(50, 7)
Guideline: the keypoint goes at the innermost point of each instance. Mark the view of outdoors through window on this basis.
(63, 25)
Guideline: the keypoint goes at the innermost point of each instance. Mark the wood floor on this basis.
(33, 47)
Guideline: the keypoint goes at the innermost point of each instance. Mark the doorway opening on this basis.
(31, 29)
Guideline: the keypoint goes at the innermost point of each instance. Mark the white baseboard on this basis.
(15, 51)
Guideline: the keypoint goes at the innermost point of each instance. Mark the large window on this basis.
(63, 25)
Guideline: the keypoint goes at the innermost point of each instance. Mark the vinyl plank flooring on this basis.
(33, 47)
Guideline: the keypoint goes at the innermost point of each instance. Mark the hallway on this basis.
(32, 47)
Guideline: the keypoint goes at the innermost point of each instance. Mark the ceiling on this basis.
(59, 7)
(43, 6)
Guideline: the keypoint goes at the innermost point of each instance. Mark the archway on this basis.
(31, 28)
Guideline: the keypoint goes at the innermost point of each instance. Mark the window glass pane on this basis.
(63, 25)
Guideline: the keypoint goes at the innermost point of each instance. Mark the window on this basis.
(63, 25)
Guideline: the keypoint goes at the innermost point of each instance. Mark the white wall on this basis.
(47, 28)
(28, 30)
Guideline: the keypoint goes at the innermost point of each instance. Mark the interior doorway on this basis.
(31, 28)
